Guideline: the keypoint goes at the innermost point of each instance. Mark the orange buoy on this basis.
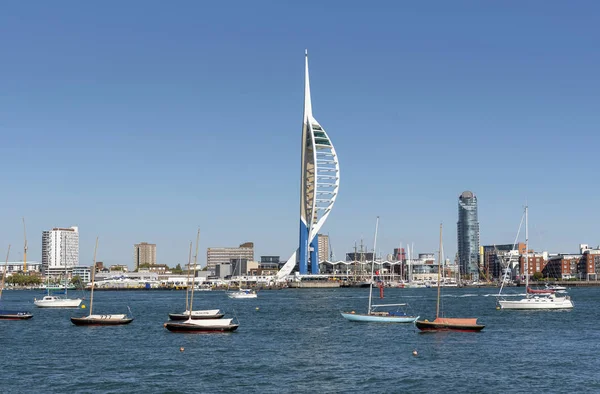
(415, 353)
(181, 349)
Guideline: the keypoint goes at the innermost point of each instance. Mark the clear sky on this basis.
(142, 120)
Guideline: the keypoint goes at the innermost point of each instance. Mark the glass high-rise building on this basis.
(468, 235)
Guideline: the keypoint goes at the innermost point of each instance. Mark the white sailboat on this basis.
(54, 301)
(534, 301)
(376, 313)
(192, 325)
(99, 320)
(198, 314)
(242, 293)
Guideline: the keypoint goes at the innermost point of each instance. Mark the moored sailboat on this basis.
(53, 301)
(379, 315)
(535, 299)
(198, 314)
(8, 314)
(99, 320)
(241, 292)
(192, 325)
(446, 323)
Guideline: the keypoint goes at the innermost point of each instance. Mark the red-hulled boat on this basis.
(449, 324)
(540, 291)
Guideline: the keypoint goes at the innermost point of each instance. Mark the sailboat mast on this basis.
(526, 268)
(24, 248)
(437, 308)
(187, 288)
(373, 265)
(64, 254)
(93, 278)
(4, 273)
(194, 274)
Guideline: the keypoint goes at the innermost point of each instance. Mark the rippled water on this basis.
(297, 341)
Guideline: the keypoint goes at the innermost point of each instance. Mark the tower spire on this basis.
(307, 102)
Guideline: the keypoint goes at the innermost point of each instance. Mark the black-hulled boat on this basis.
(102, 320)
(99, 320)
(15, 315)
(7, 314)
(198, 321)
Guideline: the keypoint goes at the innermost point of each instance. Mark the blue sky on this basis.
(140, 121)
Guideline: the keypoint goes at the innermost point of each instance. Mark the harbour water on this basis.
(296, 341)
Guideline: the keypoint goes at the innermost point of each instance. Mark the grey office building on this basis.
(468, 235)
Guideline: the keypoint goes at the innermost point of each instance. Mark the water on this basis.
(298, 342)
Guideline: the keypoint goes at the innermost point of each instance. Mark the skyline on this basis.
(144, 127)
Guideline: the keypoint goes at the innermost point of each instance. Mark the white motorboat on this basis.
(555, 287)
(242, 293)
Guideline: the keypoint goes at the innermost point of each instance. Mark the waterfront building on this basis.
(319, 184)
(17, 266)
(468, 236)
(269, 262)
(119, 267)
(536, 262)
(144, 254)
(399, 254)
(160, 268)
(589, 266)
(60, 250)
(223, 271)
(563, 267)
(224, 255)
(497, 258)
(323, 246)
(85, 273)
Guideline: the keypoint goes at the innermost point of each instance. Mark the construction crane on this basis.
(24, 248)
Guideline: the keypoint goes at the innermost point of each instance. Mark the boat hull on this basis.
(449, 324)
(101, 320)
(363, 317)
(537, 303)
(242, 295)
(55, 302)
(15, 315)
(185, 327)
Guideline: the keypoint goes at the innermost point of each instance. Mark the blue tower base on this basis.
(303, 249)
(314, 256)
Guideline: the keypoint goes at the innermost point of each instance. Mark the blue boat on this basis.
(373, 314)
